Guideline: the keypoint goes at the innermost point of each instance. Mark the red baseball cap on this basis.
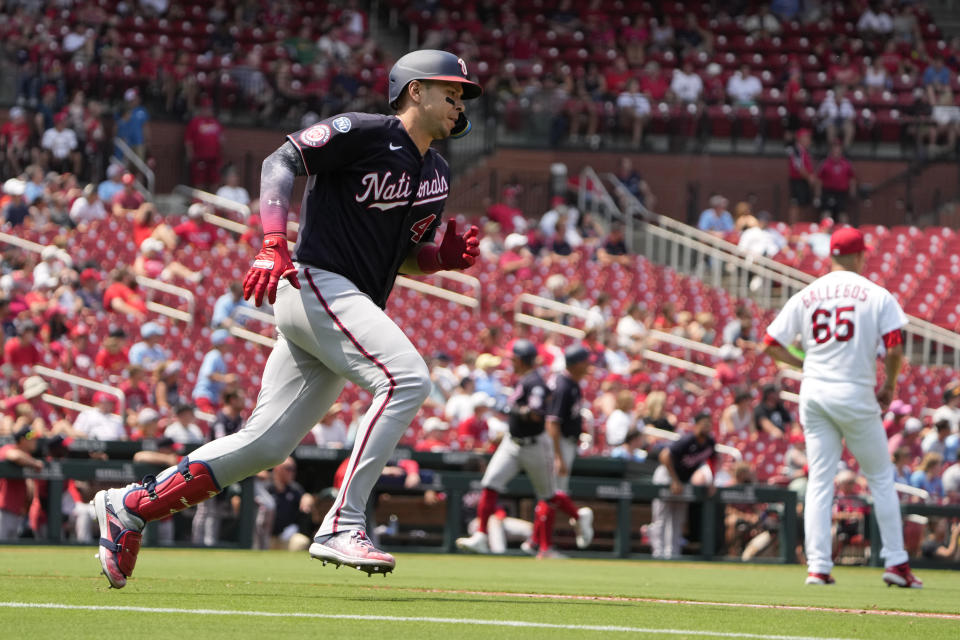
(90, 274)
(845, 241)
(103, 396)
(127, 178)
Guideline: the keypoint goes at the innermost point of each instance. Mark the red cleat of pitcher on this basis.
(354, 549)
(901, 576)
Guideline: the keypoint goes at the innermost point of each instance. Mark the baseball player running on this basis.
(564, 425)
(527, 447)
(375, 195)
(843, 320)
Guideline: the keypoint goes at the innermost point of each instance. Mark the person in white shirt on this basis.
(946, 119)
(52, 262)
(875, 21)
(231, 189)
(331, 431)
(760, 239)
(459, 405)
(184, 430)
(950, 409)
(100, 423)
(686, 85)
(836, 114)
(634, 108)
(843, 320)
(87, 207)
(60, 144)
(75, 39)
(621, 420)
(743, 87)
(632, 328)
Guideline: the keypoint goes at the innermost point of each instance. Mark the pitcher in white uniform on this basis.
(843, 321)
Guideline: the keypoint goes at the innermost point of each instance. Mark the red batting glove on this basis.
(453, 252)
(272, 263)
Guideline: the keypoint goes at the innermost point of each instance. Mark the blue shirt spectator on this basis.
(112, 186)
(936, 73)
(716, 218)
(148, 353)
(213, 375)
(132, 123)
(226, 305)
(933, 486)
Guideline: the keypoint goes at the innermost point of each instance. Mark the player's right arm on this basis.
(273, 262)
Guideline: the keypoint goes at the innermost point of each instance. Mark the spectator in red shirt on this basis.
(653, 83)
(436, 435)
(112, 358)
(727, 375)
(79, 354)
(13, 491)
(121, 295)
(472, 430)
(516, 257)
(145, 225)
(128, 199)
(196, 231)
(838, 181)
(15, 140)
(203, 140)
(21, 351)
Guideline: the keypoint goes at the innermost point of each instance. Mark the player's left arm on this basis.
(780, 353)
(455, 251)
(892, 364)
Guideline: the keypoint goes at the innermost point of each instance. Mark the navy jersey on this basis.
(370, 198)
(528, 405)
(564, 406)
(688, 454)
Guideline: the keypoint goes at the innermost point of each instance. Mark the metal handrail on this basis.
(23, 243)
(256, 314)
(131, 156)
(696, 242)
(218, 202)
(156, 307)
(446, 294)
(81, 382)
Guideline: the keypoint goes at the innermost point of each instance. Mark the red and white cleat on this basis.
(901, 576)
(353, 549)
(820, 578)
(118, 545)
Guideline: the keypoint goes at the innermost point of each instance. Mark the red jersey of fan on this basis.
(18, 353)
(112, 362)
(198, 234)
(13, 491)
(836, 174)
(800, 160)
(14, 133)
(125, 293)
(204, 134)
(128, 199)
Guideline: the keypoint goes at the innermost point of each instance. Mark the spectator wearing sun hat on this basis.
(100, 422)
(516, 257)
(149, 353)
(213, 376)
(896, 415)
(950, 410)
(15, 211)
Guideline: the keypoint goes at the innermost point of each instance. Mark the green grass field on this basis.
(246, 594)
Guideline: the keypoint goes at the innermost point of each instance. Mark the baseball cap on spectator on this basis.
(90, 274)
(127, 178)
(146, 415)
(515, 241)
(172, 367)
(912, 425)
(845, 241)
(103, 396)
(703, 414)
(34, 386)
(219, 336)
(183, 407)
(556, 200)
(434, 423)
(196, 210)
(152, 329)
(488, 360)
(575, 354)
(116, 332)
(16, 112)
(951, 392)
(114, 170)
(79, 329)
(900, 408)
(14, 187)
(481, 399)
(206, 101)
(49, 252)
(25, 326)
(729, 352)
(130, 94)
(60, 117)
(151, 245)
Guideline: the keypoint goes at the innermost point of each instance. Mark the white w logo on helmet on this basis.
(463, 65)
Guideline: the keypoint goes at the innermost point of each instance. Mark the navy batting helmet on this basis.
(525, 350)
(430, 64)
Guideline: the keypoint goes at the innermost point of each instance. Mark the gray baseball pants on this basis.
(329, 332)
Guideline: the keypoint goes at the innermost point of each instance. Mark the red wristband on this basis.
(428, 258)
(769, 340)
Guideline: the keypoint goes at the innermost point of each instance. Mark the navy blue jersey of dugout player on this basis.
(688, 455)
(564, 406)
(370, 197)
(527, 406)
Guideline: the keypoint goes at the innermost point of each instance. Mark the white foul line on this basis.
(344, 616)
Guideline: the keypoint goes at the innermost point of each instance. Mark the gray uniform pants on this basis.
(329, 332)
(669, 516)
(534, 456)
(568, 451)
